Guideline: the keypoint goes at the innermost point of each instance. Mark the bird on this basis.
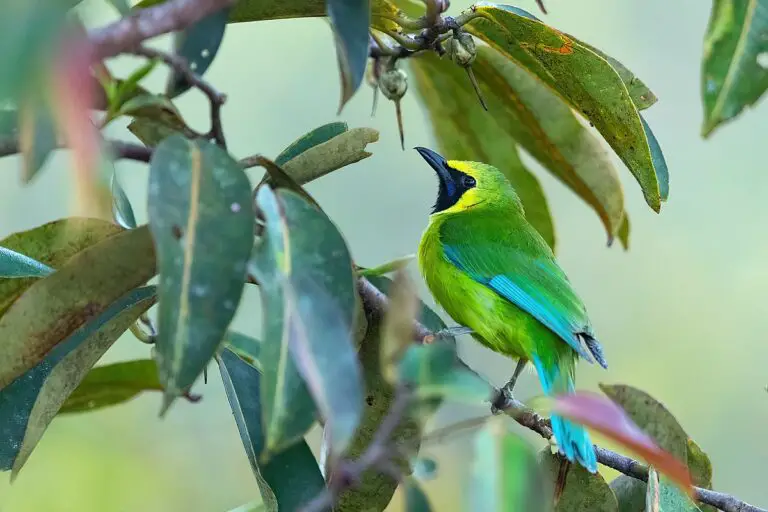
(492, 272)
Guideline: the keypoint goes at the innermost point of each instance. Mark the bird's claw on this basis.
(448, 332)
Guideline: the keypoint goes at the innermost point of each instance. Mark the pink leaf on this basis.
(604, 416)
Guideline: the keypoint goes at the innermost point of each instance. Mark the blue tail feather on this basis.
(572, 439)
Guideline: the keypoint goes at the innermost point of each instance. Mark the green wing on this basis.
(518, 265)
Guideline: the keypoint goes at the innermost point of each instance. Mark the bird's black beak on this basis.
(439, 164)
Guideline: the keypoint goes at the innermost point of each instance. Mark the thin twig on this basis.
(215, 98)
(120, 150)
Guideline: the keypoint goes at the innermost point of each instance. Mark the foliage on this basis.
(342, 346)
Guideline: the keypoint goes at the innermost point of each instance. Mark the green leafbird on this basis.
(492, 272)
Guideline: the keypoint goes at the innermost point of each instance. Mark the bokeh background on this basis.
(682, 315)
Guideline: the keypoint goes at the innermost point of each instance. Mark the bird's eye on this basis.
(468, 181)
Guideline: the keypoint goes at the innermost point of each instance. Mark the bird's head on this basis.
(468, 185)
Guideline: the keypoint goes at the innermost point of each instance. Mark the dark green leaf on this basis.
(582, 491)
(122, 211)
(37, 137)
(150, 132)
(505, 474)
(701, 470)
(350, 20)
(318, 303)
(198, 45)
(291, 477)
(202, 222)
(278, 178)
(630, 493)
(113, 384)
(735, 68)
(415, 499)
(15, 265)
(31, 401)
(309, 140)
(465, 131)
(663, 496)
(584, 79)
(54, 307)
(248, 348)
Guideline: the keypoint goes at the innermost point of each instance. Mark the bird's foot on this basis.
(448, 332)
(502, 398)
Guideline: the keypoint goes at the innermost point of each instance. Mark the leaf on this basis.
(15, 265)
(52, 308)
(198, 45)
(665, 497)
(278, 178)
(604, 416)
(505, 475)
(314, 276)
(202, 222)
(415, 499)
(735, 66)
(386, 268)
(246, 347)
(122, 211)
(326, 157)
(150, 132)
(581, 77)
(350, 20)
(623, 234)
(397, 328)
(121, 6)
(465, 131)
(291, 477)
(311, 139)
(31, 401)
(113, 384)
(50, 245)
(37, 136)
(582, 491)
(424, 468)
(630, 493)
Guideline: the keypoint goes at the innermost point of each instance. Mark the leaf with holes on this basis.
(54, 307)
(582, 491)
(735, 68)
(198, 45)
(50, 245)
(291, 477)
(32, 400)
(113, 384)
(305, 260)
(202, 222)
(585, 80)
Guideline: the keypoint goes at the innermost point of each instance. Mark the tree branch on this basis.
(121, 150)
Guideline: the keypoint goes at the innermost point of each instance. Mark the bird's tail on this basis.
(557, 376)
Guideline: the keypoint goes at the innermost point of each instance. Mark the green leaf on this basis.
(54, 307)
(386, 268)
(37, 136)
(701, 470)
(198, 45)
(584, 79)
(427, 316)
(291, 477)
(31, 401)
(464, 131)
(397, 328)
(663, 496)
(246, 347)
(121, 6)
(350, 20)
(304, 257)
(51, 244)
(113, 384)
(623, 234)
(735, 67)
(278, 178)
(309, 140)
(505, 475)
(150, 132)
(15, 265)
(582, 491)
(415, 499)
(122, 211)
(202, 222)
(630, 493)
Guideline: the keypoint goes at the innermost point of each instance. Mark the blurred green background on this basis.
(682, 315)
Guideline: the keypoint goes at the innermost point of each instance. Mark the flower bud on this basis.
(393, 84)
(461, 49)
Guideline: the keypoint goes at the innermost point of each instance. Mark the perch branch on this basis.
(121, 150)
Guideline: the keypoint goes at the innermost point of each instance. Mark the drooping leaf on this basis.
(584, 79)
(311, 139)
(202, 222)
(415, 499)
(52, 308)
(505, 473)
(604, 416)
(291, 477)
(198, 45)
(641, 95)
(37, 136)
(350, 20)
(663, 496)
(122, 211)
(16, 265)
(735, 67)
(465, 131)
(304, 256)
(113, 384)
(582, 491)
(31, 401)
(51, 245)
